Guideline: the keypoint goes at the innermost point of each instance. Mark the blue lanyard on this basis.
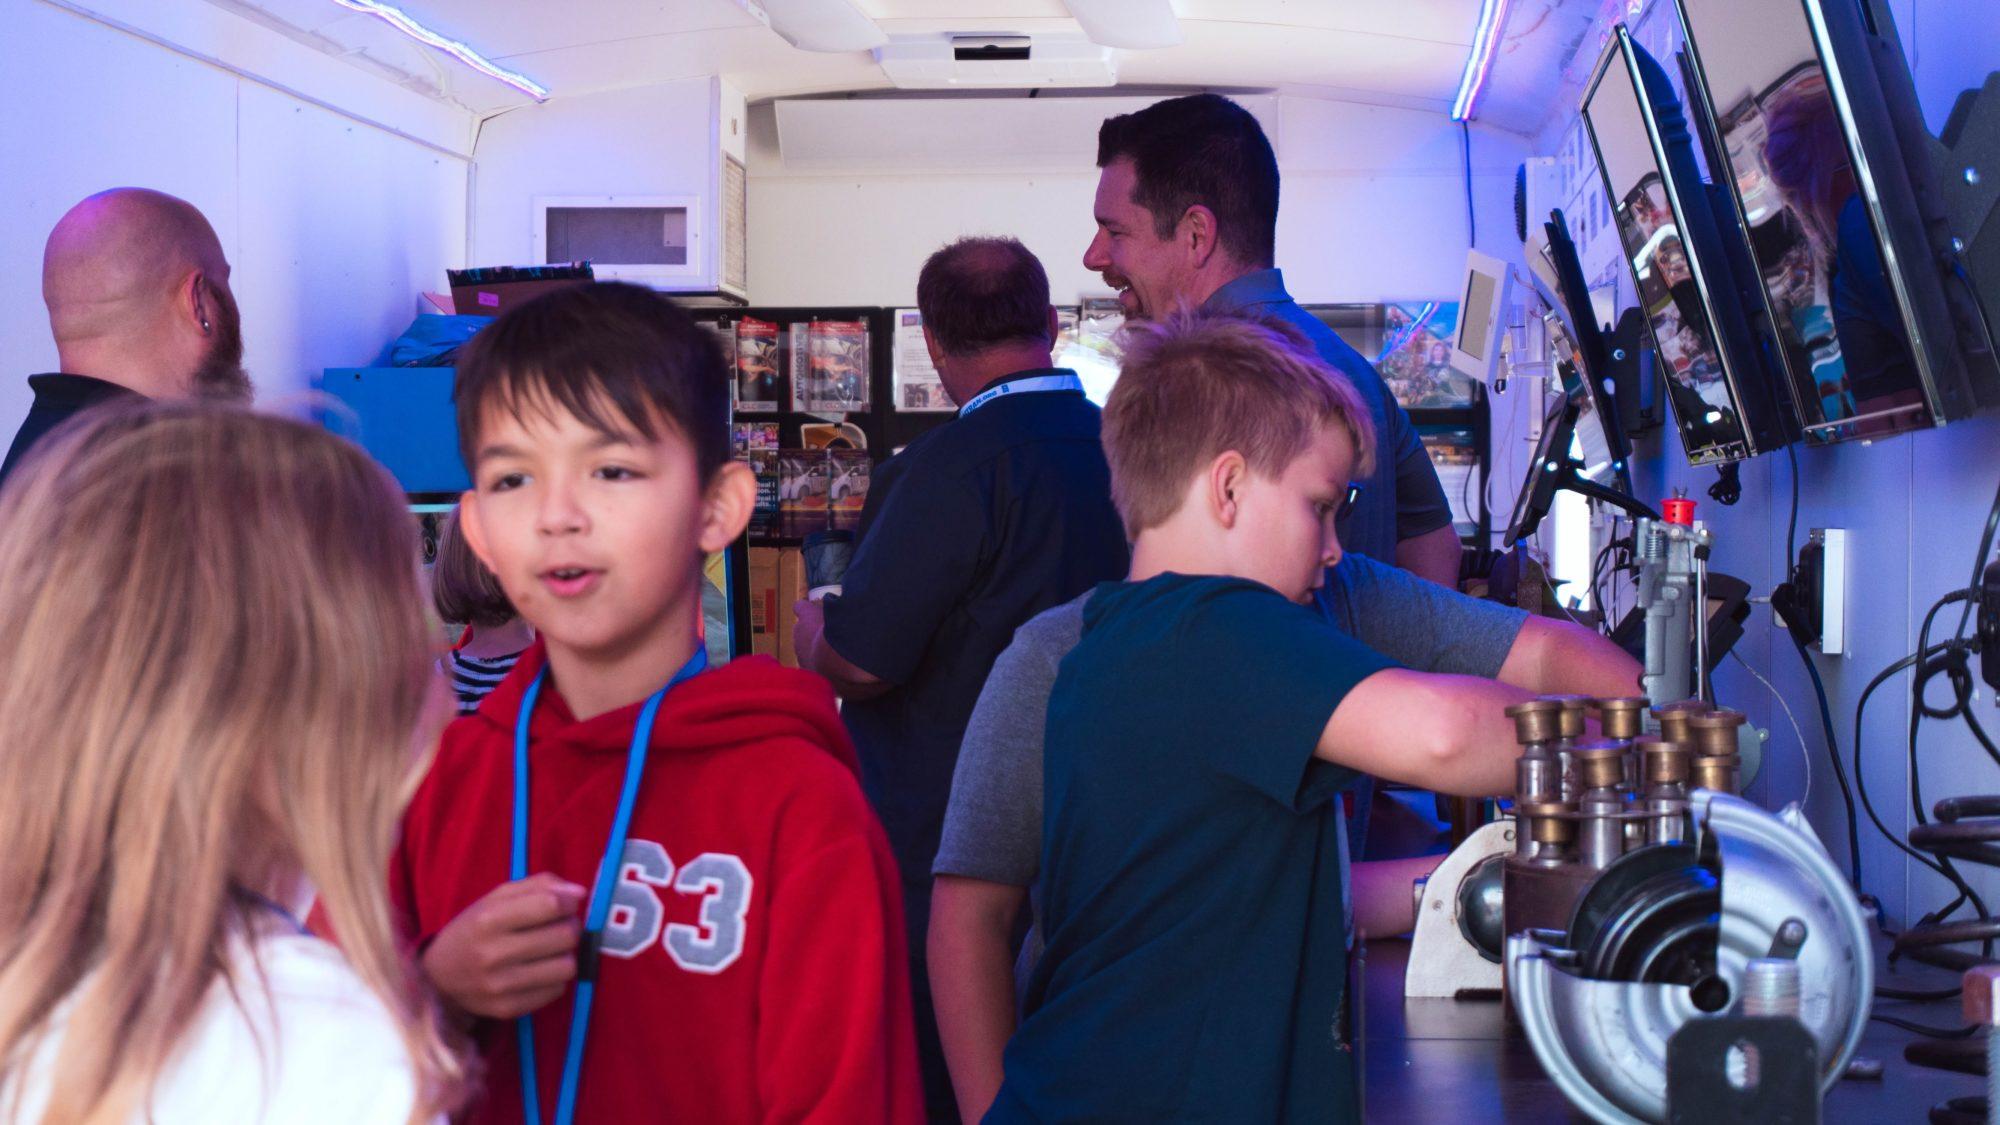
(1033, 384)
(600, 890)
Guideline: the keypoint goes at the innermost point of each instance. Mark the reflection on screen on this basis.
(1593, 445)
(1816, 248)
(1704, 406)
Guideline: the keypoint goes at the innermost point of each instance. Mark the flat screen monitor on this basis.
(1601, 450)
(1482, 315)
(1686, 285)
(1810, 197)
(1545, 472)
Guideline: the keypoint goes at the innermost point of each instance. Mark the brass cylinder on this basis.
(1663, 761)
(1600, 763)
(1549, 822)
(1716, 771)
(1623, 717)
(1573, 708)
(1673, 719)
(1715, 732)
(1536, 720)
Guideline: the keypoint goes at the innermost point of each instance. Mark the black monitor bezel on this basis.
(1704, 115)
(1580, 321)
(1538, 492)
(1765, 425)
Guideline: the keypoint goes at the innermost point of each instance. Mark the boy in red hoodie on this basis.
(711, 931)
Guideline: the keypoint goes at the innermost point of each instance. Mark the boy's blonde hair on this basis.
(1193, 386)
(213, 666)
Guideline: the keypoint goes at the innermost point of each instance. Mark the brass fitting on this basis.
(1600, 763)
(1536, 720)
(1549, 822)
(1717, 772)
(1623, 717)
(1715, 733)
(1573, 708)
(1673, 719)
(1664, 762)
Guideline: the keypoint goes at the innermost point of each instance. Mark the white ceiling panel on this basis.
(1399, 52)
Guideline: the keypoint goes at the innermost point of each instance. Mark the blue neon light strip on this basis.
(401, 21)
(1485, 45)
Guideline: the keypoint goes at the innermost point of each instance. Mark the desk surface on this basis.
(1453, 1060)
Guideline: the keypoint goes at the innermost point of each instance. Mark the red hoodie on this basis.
(754, 965)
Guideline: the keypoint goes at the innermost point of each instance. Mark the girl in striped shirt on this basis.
(466, 593)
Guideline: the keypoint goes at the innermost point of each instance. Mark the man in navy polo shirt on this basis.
(976, 527)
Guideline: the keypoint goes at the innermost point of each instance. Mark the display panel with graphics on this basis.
(1686, 283)
(1819, 256)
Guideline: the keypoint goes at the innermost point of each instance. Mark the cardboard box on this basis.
(764, 606)
(791, 587)
(493, 290)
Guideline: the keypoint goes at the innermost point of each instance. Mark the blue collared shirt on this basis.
(1402, 499)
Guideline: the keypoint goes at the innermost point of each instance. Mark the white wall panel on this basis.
(332, 225)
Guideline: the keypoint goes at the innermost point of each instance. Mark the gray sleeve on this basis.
(1420, 623)
(993, 823)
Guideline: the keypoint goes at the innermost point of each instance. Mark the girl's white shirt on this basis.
(301, 1041)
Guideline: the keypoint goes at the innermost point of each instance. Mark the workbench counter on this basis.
(1458, 1061)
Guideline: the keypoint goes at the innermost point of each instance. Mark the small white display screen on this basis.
(1476, 322)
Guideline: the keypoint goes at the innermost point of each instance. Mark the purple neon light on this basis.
(1485, 45)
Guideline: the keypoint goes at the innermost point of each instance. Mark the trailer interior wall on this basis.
(339, 196)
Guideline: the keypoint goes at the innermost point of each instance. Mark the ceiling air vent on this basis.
(946, 62)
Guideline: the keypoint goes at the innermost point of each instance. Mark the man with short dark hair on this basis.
(138, 293)
(1187, 214)
(976, 527)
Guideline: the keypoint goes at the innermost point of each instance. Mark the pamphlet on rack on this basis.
(748, 436)
(847, 488)
(802, 482)
(837, 367)
(757, 376)
(916, 386)
(765, 515)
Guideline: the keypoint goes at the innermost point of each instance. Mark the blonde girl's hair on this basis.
(213, 666)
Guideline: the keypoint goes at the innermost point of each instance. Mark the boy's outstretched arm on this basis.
(836, 1037)
(972, 982)
(1445, 733)
(1549, 655)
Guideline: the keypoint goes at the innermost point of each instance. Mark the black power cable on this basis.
(1833, 756)
(1819, 686)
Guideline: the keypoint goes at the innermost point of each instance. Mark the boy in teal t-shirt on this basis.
(1197, 736)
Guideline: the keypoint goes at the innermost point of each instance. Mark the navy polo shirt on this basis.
(1191, 878)
(1402, 499)
(58, 397)
(974, 528)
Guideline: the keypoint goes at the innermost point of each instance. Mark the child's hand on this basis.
(512, 951)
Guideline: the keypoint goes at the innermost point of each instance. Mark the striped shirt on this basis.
(472, 678)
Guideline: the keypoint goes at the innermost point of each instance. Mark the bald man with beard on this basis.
(138, 293)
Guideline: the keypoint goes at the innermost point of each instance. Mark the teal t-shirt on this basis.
(1195, 953)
